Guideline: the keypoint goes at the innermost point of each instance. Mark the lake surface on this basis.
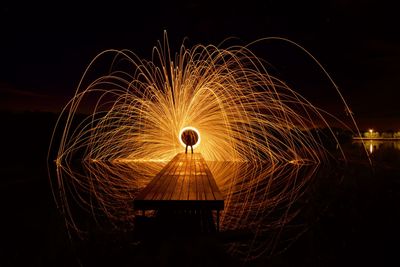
(340, 215)
(349, 215)
(373, 145)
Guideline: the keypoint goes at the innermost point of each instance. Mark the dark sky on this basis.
(46, 47)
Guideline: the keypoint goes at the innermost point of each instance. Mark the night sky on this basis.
(45, 48)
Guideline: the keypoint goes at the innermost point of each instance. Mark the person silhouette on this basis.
(189, 137)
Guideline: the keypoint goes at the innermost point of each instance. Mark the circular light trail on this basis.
(189, 129)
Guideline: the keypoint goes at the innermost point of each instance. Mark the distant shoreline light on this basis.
(376, 138)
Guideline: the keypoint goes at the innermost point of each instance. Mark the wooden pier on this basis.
(185, 183)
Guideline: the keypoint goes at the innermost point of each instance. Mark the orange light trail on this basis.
(139, 108)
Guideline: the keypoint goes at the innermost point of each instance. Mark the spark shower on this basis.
(255, 134)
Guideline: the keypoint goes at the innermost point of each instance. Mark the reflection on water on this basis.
(373, 145)
(260, 200)
(102, 189)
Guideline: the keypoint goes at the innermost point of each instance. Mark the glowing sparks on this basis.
(242, 112)
(139, 110)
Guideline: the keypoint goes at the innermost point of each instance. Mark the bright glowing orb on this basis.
(188, 131)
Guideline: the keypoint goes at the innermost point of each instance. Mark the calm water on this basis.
(345, 215)
(373, 145)
(348, 216)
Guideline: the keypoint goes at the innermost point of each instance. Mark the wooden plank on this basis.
(159, 187)
(165, 194)
(211, 181)
(192, 180)
(157, 179)
(178, 187)
(185, 186)
(152, 194)
(205, 187)
(154, 181)
(184, 183)
(199, 182)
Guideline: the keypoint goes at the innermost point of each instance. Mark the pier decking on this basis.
(185, 183)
